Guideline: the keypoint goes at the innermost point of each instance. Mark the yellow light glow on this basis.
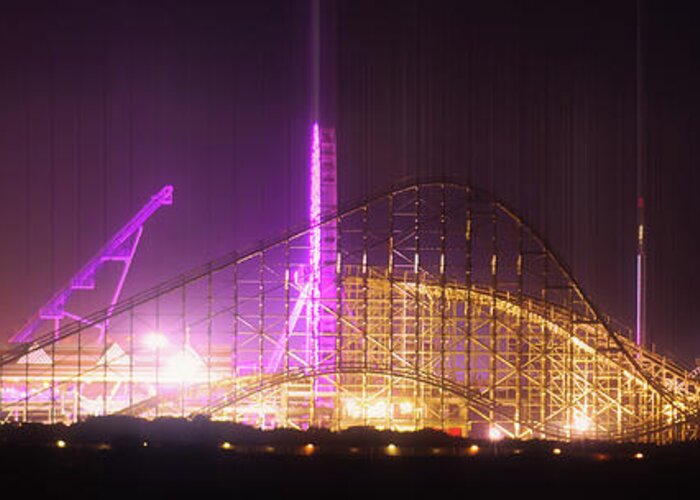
(392, 450)
(61, 443)
(354, 449)
(556, 451)
(226, 445)
(639, 455)
(473, 450)
(145, 444)
(309, 449)
(377, 410)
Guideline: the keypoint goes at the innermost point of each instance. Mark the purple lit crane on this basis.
(121, 248)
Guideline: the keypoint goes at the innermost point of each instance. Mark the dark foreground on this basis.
(358, 464)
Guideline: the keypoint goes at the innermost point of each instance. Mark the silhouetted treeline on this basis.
(124, 431)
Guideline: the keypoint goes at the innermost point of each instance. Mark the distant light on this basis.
(639, 455)
(354, 449)
(556, 451)
(601, 457)
(226, 445)
(104, 446)
(270, 449)
(309, 449)
(495, 434)
(436, 451)
(61, 443)
(473, 450)
(155, 340)
(145, 444)
(392, 450)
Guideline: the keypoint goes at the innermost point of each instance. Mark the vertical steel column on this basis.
(493, 342)
(569, 396)
(365, 312)
(443, 284)
(234, 357)
(132, 354)
(520, 326)
(261, 332)
(390, 266)
(157, 349)
(210, 299)
(468, 306)
(2, 389)
(105, 333)
(184, 346)
(338, 325)
(417, 318)
(52, 411)
(79, 381)
(287, 327)
(26, 384)
(544, 408)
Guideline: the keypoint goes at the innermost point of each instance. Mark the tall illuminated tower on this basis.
(323, 242)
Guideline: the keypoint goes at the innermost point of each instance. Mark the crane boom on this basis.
(121, 248)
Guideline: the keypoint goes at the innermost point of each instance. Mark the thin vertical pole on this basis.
(641, 334)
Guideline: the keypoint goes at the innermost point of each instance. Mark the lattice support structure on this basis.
(447, 311)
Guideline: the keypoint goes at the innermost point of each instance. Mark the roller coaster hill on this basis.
(431, 306)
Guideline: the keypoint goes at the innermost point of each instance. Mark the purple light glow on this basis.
(313, 305)
(121, 248)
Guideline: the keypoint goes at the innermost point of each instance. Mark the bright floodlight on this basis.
(582, 423)
(495, 434)
(61, 443)
(185, 366)
(156, 340)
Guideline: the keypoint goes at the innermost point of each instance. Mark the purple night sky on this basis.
(103, 103)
